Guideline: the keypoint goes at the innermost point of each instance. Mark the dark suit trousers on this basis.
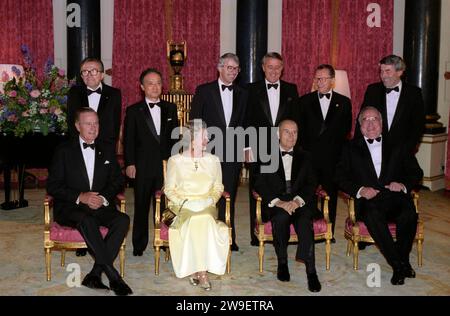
(303, 224)
(230, 179)
(88, 222)
(388, 206)
(252, 168)
(144, 193)
(325, 175)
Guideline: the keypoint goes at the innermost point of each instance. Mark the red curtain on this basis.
(28, 22)
(140, 37)
(307, 42)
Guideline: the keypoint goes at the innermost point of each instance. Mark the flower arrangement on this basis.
(32, 103)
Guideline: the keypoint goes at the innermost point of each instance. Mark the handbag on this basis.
(168, 216)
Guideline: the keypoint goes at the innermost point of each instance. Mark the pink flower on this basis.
(5, 76)
(44, 103)
(43, 111)
(35, 93)
(13, 94)
(12, 118)
(61, 72)
(26, 113)
(21, 100)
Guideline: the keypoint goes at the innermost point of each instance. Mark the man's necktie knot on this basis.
(291, 153)
(99, 91)
(389, 90)
(321, 95)
(151, 105)
(370, 141)
(230, 87)
(92, 146)
(272, 85)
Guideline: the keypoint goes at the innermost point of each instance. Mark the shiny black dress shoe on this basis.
(94, 282)
(333, 241)
(408, 271)
(283, 273)
(313, 282)
(398, 278)
(81, 252)
(234, 247)
(120, 288)
(254, 243)
(137, 253)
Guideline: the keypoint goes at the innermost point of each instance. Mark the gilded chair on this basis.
(322, 228)
(356, 231)
(62, 238)
(161, 231)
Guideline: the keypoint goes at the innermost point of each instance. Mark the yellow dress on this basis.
(197, 241)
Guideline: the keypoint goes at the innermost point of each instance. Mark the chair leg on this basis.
(63, 257)
(122, 260)
(419, 252)
(48, 263)
(229, 261)
(327, 253)
(349, 247)
(157, 260)
(261, 255)
(167, 256)
(355, 255)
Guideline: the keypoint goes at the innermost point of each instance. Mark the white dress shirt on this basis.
(227, 101)
(274, 99)
(325, 103)
(94, 98)
(156, 115)
(391, 103)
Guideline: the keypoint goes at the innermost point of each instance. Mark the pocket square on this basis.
(169, 119)
(106, 162)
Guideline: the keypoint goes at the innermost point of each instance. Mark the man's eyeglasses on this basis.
(322, 79)
(93, 72)
(370, 119)
(231, 68)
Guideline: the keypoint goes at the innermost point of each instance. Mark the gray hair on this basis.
(368, 108)
(191, 130)
(273, 55)
(394, 60)
(226, 56)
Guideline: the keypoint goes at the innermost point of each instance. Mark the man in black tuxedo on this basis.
(222, 104)
(103, 99)
(269, 102)
(401, 104)
(84, 179)
(147, 141)
(325, 120)
(380, 179)
(288, 198)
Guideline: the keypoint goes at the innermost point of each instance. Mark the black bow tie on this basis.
(153, 104)
(92, 146)
(378, 139)
(321, 95)
(272, 85)
(291, 153)
(389, 90)
(89, 91)
(230, 87)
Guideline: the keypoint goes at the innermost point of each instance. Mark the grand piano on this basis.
(31, 151)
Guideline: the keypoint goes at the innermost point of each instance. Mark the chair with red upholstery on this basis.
(322, 229)
(356, 231)
(58, 237)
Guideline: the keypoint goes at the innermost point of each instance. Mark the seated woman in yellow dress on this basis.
(198, 242)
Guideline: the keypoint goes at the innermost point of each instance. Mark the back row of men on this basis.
(323, 117)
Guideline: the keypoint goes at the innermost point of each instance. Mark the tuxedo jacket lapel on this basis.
(148, 119)
(98, 170)
(385, 154)
(78, 162)
(281, 170)
(235, 110)
(282, 105)
(217, 102)
(102, 105)
(368, 159)
(295, 168)
(401, 106)
(332, 109)
(264, 101)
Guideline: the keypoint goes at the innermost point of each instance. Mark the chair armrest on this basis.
(159, 194)
(325, 198)
(415, 197)
(227, 198)
(48, 205)
(258, 199)
(226, 195)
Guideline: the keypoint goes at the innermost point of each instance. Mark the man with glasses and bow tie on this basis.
(103, 99)
(325, 120)
(84, 179)
(147, 141)
(222, 104)
(269, 102)
(401, 104)
(288, 198)
(380, 178)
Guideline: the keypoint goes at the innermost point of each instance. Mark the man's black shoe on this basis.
(138, 253)
(408, 271)
(81, 252)
(234, 247)
(254, 243)
(283, 273)
(313, 282)
(333, 241)
(398, 278)
(94, 282)
(120, 287)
